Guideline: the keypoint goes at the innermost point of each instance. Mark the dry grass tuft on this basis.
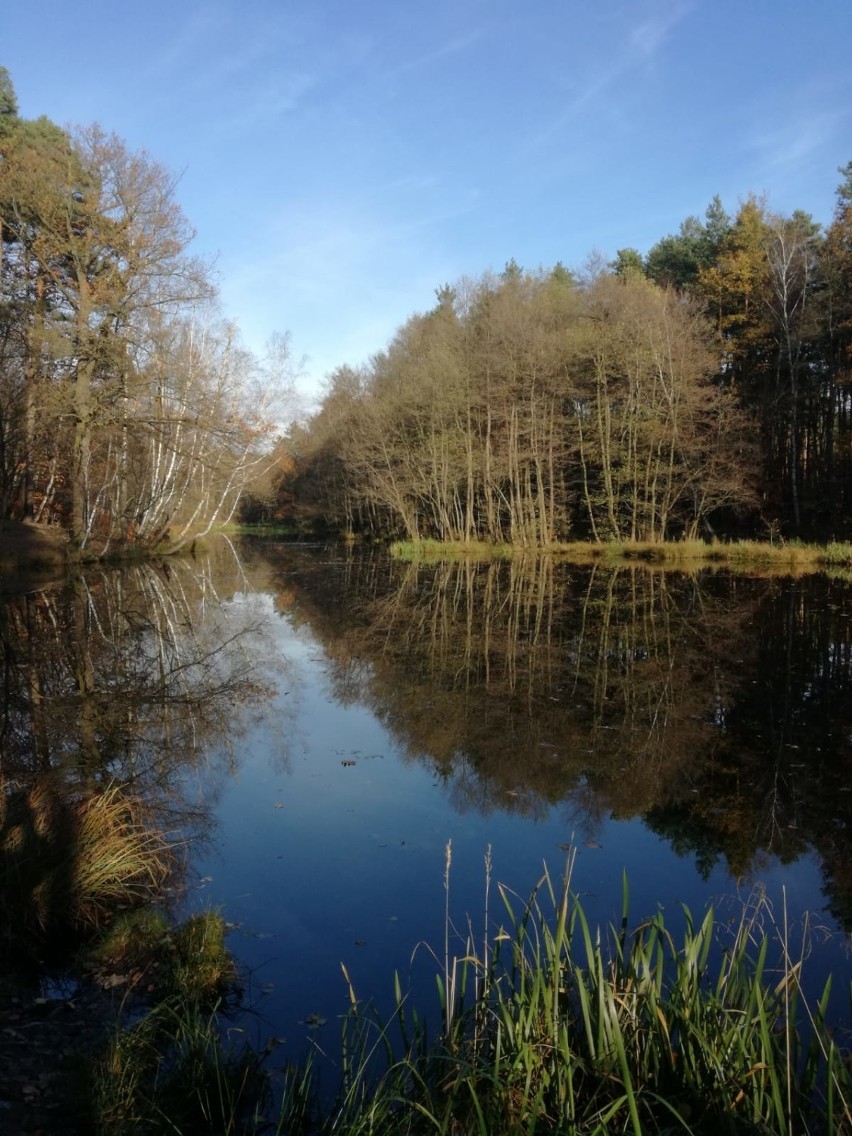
(70, 862)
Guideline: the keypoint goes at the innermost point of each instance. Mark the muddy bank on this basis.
(30, 550)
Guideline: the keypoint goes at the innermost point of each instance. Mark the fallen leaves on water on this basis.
(314, 1021)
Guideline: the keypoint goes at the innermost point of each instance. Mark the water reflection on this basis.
(129, 677)
(714, 707)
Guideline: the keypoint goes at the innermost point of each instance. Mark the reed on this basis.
(560, 1028)
(548, 1025)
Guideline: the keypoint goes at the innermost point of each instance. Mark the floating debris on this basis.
(313, 1021)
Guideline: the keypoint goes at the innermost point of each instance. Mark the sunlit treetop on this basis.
(8, 99)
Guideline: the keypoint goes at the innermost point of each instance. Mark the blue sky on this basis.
(343, 159)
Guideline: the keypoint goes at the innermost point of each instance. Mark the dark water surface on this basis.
(321, 723)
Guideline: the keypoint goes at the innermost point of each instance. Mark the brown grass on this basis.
(70, 862)
(786, 558)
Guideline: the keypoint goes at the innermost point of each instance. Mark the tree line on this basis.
(703, 388)
(129, 412)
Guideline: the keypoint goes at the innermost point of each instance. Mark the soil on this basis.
(29, 549)
(41, 1042)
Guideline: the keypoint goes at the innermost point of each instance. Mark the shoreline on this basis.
(794, 556)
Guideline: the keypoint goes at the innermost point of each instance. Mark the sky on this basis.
(343, 159)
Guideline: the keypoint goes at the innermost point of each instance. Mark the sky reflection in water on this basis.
(331, 833)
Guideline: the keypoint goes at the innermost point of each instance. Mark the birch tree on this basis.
(152, 416)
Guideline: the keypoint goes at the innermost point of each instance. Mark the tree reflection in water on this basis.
(134, 681)
(715, 707)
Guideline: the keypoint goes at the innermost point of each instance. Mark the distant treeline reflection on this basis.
(126, 678)
(715, 707)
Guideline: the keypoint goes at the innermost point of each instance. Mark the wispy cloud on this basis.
(454, 46)
(649, 36)
(345, 274)
(802, 124)
(249, 71)
(633, 46)
(795, 140)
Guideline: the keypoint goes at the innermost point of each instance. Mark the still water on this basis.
(318, 724)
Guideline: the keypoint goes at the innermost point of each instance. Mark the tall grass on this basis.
(174, 1072)
(547, 1025)
(169, 1064)
(790, 557)
(431, 551)
(556, 1027)
(69, 862)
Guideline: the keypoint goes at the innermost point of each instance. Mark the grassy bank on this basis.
(792, 557)
(543, 1024)
(547, 1026)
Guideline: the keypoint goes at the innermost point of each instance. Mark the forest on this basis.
(702, 390)
(130, 415)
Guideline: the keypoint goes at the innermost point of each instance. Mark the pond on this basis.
(320, 724)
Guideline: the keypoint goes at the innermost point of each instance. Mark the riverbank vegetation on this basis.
(543, 1023)
(69, 862)
(790, 556)
(547, 1025)
(130, 414)
(702, 389)
(117, 686)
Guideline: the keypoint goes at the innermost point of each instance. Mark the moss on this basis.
(186, 962)
(201, 966)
